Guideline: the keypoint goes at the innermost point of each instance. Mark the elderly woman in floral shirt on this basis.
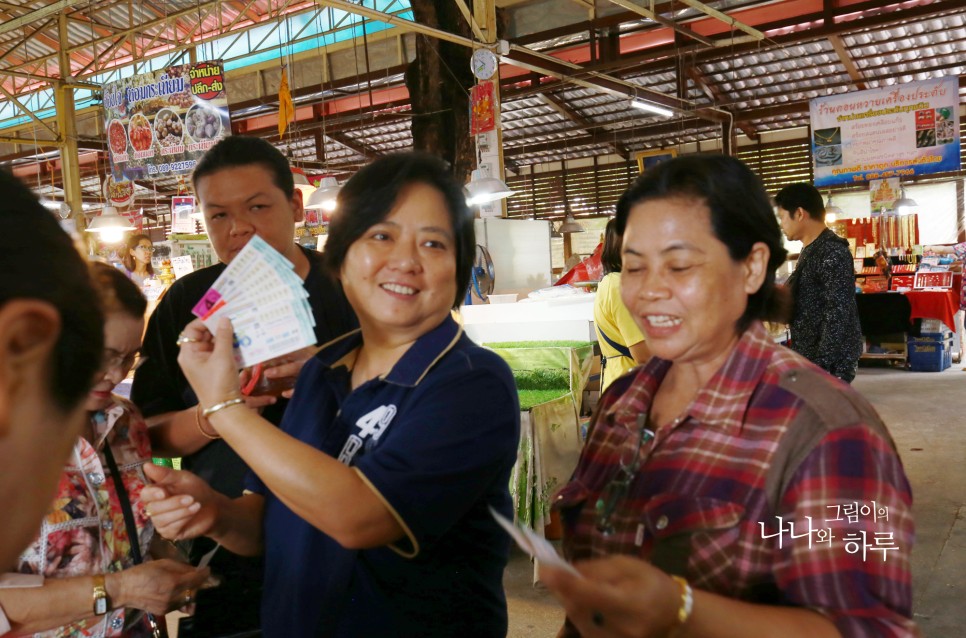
(83, 575)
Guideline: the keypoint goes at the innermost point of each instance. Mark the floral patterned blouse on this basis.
(84, 533)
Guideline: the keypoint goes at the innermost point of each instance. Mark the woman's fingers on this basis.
(210, 366)
(161, 585)
(171, 510)
(198, 331)
(224, 339)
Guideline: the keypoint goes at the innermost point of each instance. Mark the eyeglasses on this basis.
(615, 491)
(150, 249)
(114, 360)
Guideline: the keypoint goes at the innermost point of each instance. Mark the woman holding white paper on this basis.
(371, 502)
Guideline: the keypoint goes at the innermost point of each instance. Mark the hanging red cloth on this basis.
(590, 269)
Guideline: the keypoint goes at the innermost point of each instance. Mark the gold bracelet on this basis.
(201, 428)
(687, 600)
(221, 406)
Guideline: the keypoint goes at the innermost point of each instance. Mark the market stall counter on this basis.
(550, 378)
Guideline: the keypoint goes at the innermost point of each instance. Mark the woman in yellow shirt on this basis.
(621, 342)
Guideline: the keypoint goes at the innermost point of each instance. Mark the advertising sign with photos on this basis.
(892, 132)
(159, 124)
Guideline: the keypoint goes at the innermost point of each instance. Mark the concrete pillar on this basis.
(67, 126)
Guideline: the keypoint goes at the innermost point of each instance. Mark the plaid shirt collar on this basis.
(722, 403)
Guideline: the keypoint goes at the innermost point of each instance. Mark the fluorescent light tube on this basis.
(652, 108)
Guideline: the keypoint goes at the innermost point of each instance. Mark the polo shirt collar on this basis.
(413, 365)
(724, 400)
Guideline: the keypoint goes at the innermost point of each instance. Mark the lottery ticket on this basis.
(266, 302)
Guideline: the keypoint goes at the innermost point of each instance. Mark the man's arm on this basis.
(159, 385)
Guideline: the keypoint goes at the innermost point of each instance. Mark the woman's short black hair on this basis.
(369, 196)
(741, 216)
(117, 292)
(49, 268)
(610, 256)
(242, 150)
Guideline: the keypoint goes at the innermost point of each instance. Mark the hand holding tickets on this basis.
(534, 545)
(266, 302)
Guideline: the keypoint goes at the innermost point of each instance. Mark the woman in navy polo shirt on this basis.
(370, 503)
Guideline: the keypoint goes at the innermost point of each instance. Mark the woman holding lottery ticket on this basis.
(371, 501)
(710, 497)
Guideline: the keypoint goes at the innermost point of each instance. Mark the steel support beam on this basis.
(650, 15)
(39, 14)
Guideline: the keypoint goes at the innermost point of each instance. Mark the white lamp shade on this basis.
(302, 183)
(324, 198)
(832, 212)
(905, 205)
(570, 225)
(109, 221)
(483, 190)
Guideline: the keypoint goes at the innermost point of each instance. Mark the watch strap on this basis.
(99, 598)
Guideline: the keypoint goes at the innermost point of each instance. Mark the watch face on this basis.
(100, 605)
(483, 64)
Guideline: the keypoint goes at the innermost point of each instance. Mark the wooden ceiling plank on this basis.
(352, 145)
(847, 61)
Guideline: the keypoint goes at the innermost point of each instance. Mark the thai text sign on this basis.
(161, 123)
(896, 131)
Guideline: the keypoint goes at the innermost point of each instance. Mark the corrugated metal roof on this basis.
(765, 85)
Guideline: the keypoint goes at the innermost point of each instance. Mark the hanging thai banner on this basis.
(159, 124)
(482, 111)
(896, 131)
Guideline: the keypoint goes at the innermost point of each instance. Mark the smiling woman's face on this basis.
(400, 275)
(680, 283)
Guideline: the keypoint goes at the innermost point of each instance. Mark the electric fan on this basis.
(482, 276)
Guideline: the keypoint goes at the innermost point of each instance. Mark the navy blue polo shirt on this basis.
(436, 438)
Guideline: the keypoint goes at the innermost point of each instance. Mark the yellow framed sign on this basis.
(647, 159)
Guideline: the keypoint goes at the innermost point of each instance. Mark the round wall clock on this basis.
(483, 64)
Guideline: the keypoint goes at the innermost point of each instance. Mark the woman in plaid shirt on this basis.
(728, 487)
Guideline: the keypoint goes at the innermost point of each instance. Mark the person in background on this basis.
(245, 187)
(372, 502)
(89, 566)
(621, 342)
(712, 496)
(137, 260)
(51, 339)
(825, 321)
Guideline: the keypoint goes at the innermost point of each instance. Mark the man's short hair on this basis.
(236, 151)
(804, 196)
(39, 261)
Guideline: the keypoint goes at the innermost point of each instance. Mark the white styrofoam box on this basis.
(554, 319)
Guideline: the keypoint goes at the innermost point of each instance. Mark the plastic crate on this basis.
(926, 355)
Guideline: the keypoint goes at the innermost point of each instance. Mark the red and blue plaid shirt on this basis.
(836, 533)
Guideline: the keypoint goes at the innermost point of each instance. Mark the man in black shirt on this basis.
(245, 188)
(825, 323)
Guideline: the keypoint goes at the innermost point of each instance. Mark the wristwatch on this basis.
(99, 596)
